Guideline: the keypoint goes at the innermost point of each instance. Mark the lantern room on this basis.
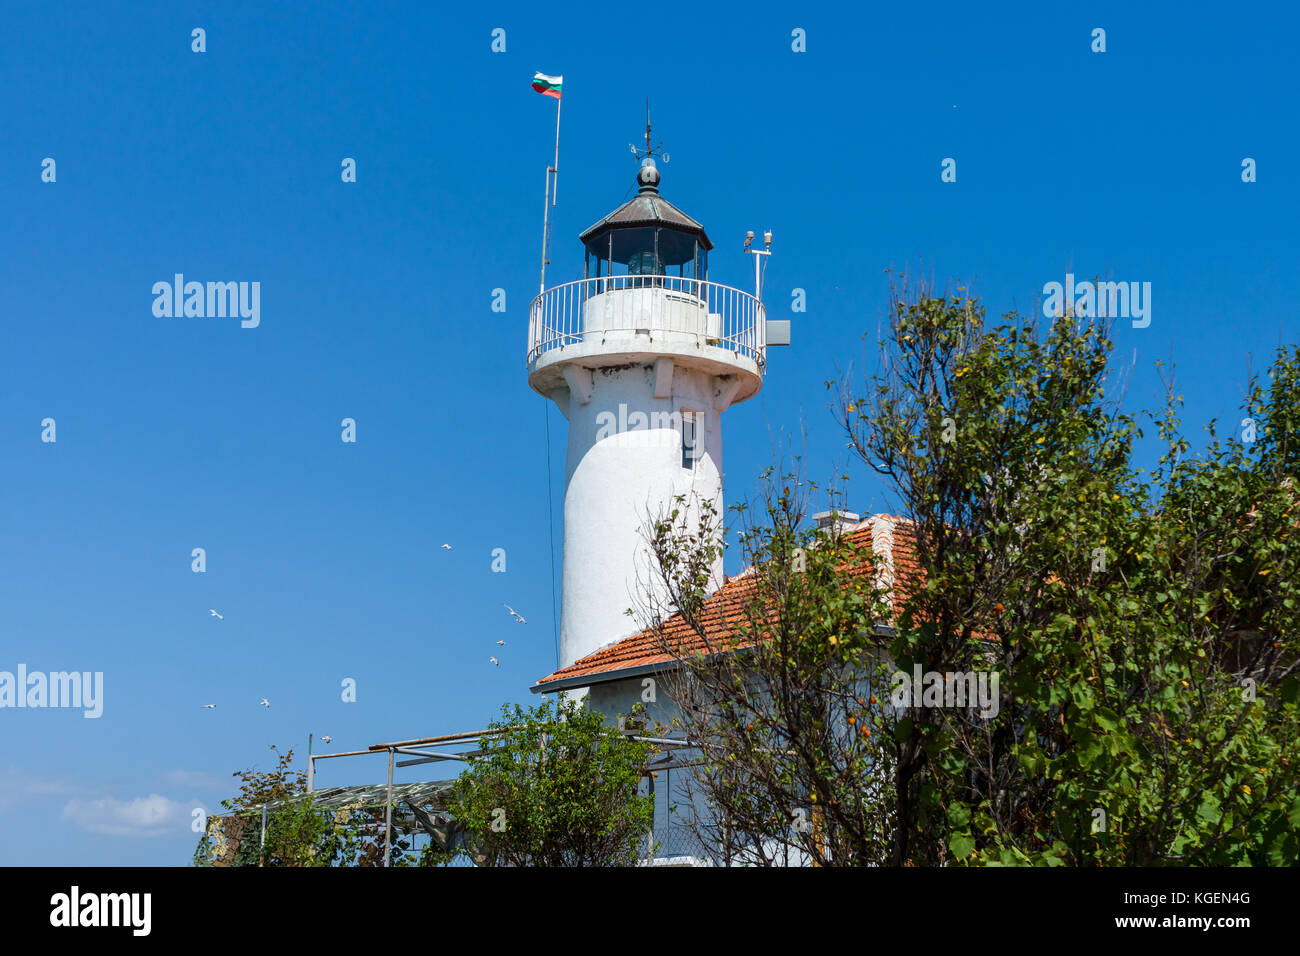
(647, 236)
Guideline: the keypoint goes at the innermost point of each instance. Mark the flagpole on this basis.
(556, 192)
(552, 194)
(546, 211)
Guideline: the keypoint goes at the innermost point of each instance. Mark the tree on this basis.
(291, 833)
(790, 736)
(1117, 603)
(297, 832)
(1143, 627)
(554, 786)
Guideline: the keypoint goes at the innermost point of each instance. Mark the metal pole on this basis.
(552, 194)
(555, 192)
(758, 279)
(388, 814)
(262, 846)
(650, 843)
(671, 830)
(546, 212)
(431, 740)
(311, 764)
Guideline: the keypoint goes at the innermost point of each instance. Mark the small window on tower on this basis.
(692, 440)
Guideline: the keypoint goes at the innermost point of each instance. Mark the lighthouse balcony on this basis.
(613, 319)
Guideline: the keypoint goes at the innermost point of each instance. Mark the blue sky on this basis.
(325, 557)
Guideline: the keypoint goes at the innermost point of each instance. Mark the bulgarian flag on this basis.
(548, 85)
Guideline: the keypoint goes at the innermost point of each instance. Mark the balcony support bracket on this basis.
(725, 393)
(664, 378)
(578, 378)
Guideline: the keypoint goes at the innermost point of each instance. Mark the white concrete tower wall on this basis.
(626, 464)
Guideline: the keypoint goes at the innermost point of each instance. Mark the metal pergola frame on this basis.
(423, 756)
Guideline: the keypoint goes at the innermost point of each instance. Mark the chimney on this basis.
(833, 522)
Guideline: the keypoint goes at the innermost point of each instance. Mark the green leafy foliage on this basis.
(1145, 627)
(555, 785)
(297, 832)
(786, 712)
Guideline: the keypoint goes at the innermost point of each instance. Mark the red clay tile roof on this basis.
(890, 540)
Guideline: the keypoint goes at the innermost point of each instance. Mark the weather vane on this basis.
(649, 150)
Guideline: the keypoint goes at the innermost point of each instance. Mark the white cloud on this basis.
(153, 815)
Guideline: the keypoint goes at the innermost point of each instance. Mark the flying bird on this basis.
(501, 643)
(209, 706)
(495, 661)
(446, 547)
(519, 618)
(265, 702)
(327, 738)
(215, 614)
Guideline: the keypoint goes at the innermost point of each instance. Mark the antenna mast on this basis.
(657, 149)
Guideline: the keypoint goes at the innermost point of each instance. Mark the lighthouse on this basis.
(641, 356)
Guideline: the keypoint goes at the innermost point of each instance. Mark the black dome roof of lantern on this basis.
(647, 210)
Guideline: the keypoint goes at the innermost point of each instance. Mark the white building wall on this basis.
(623, 468)
(673, 810)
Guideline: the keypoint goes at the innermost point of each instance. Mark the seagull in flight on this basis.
(501, 643)
(213, 612)
(327, 738)
(265, 702)
(446, 547)
(519, 618)
(209, 706)
(495, 661)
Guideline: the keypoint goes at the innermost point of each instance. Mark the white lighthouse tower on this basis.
(642, 356)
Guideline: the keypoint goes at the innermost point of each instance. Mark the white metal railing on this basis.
(664, 307)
